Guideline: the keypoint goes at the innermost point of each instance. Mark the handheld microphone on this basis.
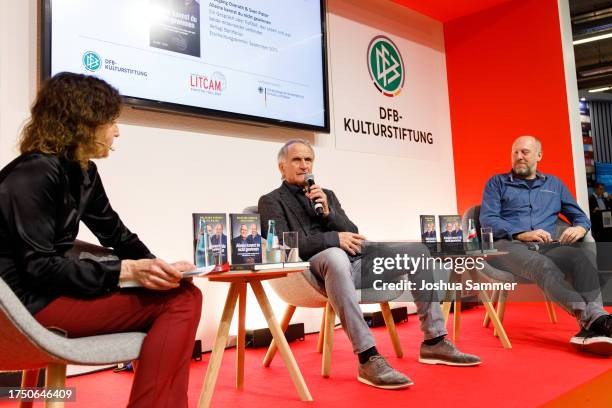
(318, 207)
(111, 148)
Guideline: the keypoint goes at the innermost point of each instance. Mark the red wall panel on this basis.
(447, 10)
(506, 79)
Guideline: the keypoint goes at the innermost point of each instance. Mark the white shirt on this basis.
(601, 204)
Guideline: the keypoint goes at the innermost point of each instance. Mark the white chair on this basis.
(28, 346)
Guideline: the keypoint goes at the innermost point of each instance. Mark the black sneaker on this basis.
(592, 342)
(602, 325)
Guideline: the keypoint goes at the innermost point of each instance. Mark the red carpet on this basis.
(536, 371)
(595, 393)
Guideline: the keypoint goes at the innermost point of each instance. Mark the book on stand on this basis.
(428, 229)
(451, 229)
(209, 239)
(246, 240)
(451, 233)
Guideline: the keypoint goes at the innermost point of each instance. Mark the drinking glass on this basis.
(290, 245)
(486, 234)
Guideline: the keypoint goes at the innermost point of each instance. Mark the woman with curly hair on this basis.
(44, 194)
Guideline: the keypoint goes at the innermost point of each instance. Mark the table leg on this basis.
(501, 307)
(448, 296)
(242, 292)
(497, 324)
(446, 305)
(208, 386)
(457, 315)
(284, 325)
(281, 342)
(494, 299)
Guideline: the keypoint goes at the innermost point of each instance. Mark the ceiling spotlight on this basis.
(607, 88)
(594, 38)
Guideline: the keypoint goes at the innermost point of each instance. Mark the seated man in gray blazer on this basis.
(332, 244)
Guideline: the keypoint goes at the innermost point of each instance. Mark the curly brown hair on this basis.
(68, 110)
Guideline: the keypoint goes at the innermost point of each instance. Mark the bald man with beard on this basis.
(522, 208)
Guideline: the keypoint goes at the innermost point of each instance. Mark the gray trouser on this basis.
(564, 273)
(334, 275)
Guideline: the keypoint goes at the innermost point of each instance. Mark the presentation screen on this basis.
(254, 60)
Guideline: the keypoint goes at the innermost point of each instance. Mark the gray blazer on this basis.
(282, 206)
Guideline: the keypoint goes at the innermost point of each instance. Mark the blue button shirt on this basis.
(510, 206)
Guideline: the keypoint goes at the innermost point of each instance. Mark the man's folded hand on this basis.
(351, 242)
(572, 234)
(538, 235)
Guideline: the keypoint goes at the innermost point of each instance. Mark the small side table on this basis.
(237, 294)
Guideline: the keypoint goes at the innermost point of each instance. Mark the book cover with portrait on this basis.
(428, 229)
(209, 238)
(246, 240)
(175, 26)
(451, 229)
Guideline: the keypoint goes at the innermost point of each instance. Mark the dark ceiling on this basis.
(593, 59)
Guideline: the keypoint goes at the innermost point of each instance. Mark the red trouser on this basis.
(170, 319)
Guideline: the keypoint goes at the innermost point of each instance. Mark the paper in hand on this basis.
(203, 270)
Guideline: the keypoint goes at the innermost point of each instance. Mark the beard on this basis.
(523, 171)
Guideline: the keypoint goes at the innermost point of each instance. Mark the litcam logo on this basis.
(386, 66)
(216, 83)
(92, 61)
